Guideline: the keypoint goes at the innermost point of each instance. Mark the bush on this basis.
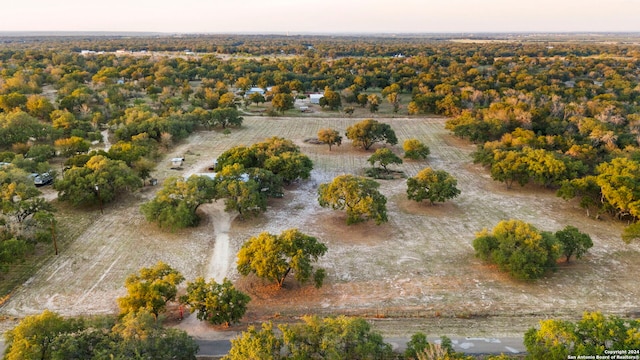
(519, 249)
(415, 150)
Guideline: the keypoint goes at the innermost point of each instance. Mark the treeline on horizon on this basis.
(329, 45)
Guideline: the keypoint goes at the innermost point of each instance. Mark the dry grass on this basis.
(418, 269)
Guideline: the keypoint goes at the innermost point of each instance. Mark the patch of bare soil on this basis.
(415, 273)
(425, 208)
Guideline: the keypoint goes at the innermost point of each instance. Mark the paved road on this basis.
(471, 346)
(214, 347)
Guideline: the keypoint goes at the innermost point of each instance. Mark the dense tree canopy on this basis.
(135, 336)
(34, 336)
(590, 336)
(99, 180)
(329, 338)
(273, 257)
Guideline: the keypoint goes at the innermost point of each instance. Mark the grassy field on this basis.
(417, 272)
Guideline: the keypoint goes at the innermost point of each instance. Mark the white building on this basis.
(255, 90)
(315, 98)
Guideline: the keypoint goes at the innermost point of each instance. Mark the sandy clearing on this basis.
(420, 265)
(221, 257)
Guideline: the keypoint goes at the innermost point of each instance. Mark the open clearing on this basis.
(418, 269)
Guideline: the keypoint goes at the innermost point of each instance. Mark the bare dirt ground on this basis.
(415, 273)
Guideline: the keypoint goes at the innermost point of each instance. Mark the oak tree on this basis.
(518, 248)
(273, 257)
(99, 180)
(368, 132)
(384, 157)
(432, 185)
(151, 289)
(330, 137)
(34, 336)
(175, 205)
(216, 303)
(573, 242)
(357, 195)
(414, 149)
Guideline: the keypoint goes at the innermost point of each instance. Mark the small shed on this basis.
(177, 162)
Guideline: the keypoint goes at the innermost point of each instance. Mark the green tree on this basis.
(150, 290)
(573, 242)
(509, 167)
(417, 344)
(631, 232)
(273, 257)
(263, 344)
(226, 117)
(138, 335)
(368, 132)
(544, 167)
(39, 106)
(290, 166)
(99, 180)
(384, 157)
(357, 195)
(143, 168)
(330, 137)
(362, 100)
(41, 153)
(518, 248)
(586, 188)
(20, 127)
(394, 100)
(175, 205)
(591, 336)
(72, 146)
(414, 149)
(334, 338)
(620, 185)
(243, 83)
(374, 102)
(434, 185)
(33, 337)
(330, 338)
(216, 303)
(331, 99)
(12, 101)
(282, 102)
(241, 193)
(257, 98)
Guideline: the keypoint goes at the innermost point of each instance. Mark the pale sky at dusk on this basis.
(321, 16)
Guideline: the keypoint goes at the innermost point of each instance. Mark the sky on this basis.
(321, 16)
